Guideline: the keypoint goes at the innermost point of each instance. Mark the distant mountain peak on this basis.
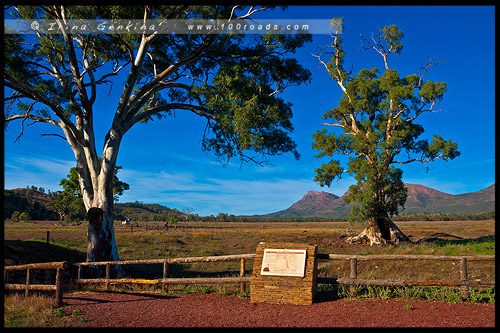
(421, 189)
(420, 199)
(319, 194)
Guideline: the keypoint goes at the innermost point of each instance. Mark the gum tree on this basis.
(231, 81)
(375, 125)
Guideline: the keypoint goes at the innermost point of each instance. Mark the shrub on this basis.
(24, 216)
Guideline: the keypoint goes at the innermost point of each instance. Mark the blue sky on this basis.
(163, 162)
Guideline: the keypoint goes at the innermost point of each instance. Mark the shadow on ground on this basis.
(442, 239)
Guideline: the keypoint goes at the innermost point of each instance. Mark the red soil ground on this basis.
(214, 310)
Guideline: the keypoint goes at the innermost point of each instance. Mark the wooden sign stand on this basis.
(284, 273)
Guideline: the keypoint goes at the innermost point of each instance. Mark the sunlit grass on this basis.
(453, 295)
(35, 311)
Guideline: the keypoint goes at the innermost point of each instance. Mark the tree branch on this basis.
(68, 39)
(333, 125)
(429, 63)
(58, 135)
(379, 48)
(26, 116)
(200, 111)
(138, 99)
(30, 93)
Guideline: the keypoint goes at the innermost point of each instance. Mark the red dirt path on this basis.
(214, 310)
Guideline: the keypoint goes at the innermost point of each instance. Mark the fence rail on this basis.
(57, 287)
(403, 257)
(165, 280)
(461, 282)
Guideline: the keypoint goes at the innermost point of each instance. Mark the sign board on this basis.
(284, 273)
(283, 262)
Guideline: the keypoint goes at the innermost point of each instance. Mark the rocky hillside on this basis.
(420, 199)
(30, 201)
(35, 204)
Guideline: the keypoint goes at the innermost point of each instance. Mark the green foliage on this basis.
(392, 36)
(67, 204)
(15, 216)
(138, 211)
(248, 115)
(71, 184)
(24, 216)
(376, 115)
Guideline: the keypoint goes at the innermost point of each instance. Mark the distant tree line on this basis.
(406, 217)
(445, 216)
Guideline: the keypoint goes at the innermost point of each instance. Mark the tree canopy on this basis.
(231, 80)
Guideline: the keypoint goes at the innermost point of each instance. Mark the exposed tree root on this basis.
(378, 232)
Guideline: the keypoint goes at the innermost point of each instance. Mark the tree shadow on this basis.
(18, 252)
(88, 299)
(443, 239)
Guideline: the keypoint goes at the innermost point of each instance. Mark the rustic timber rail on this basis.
(58, 266)
(165, 280)
(463, 282)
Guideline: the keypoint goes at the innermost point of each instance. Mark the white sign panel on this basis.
(283, 262)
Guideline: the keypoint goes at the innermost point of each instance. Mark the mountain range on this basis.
(420, 199)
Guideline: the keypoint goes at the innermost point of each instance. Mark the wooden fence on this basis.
(27, 286)
(160, 226)
(165, 280)
(461, 281)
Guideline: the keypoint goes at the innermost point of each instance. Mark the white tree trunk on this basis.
(96, 183)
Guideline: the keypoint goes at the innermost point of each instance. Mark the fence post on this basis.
(59, 286)
(354, 268)
(48, 237)
(107, 275)
(242, 274)
(353, 274)
(27, 292)
(463, 277)
(165, 274)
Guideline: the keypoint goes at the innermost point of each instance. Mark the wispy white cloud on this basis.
(20, 171)
(212, 195)
(48, 164)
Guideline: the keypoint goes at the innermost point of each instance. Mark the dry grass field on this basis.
(203, 238)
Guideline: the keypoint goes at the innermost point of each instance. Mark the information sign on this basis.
(283, 262)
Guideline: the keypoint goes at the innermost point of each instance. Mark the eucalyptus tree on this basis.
(231, 81)
(375, 125)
